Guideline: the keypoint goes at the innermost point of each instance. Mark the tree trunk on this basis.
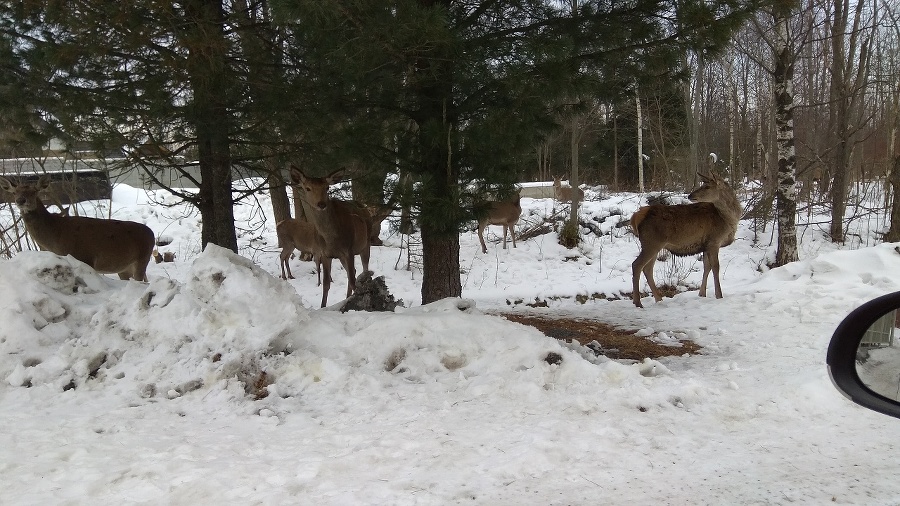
(572, 236)
(838, 122)
(694, 102)
(640, 139)
(786, 192)
(440, 237)
(281, 205)
(615, 153)
(440, 208)
(207, 67)
(893, 233)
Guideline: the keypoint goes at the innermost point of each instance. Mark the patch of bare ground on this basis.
(610, 341)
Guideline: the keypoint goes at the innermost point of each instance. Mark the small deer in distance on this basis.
(344, 227)
(108, 246)
(504, 213)
(702, 227)
(565, 193)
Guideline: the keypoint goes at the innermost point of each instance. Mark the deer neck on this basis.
(324, 220)
(37, 215)
(729, 207)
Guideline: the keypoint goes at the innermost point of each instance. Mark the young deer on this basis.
(343, 226)
(108, 246)
(298, 234)
(688, 229)
(503, 213)
(565, 193)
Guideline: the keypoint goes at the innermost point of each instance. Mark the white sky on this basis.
(472, 414)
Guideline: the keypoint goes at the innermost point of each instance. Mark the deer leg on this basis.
(706, 268)
(350, 267)
(504, 236)
(512, 233)
(714, 265)
(645, 258)
(481, 227)
(648, 272)
(285, 256)
(326, 278)
(318, 262)
(364, 257)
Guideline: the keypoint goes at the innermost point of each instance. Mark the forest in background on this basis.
(431, 105)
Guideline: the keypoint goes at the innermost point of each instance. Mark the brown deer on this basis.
(343, 226)
(108, 246)
(703, 227)
(565, 193)
(298, 234)
(504, 213)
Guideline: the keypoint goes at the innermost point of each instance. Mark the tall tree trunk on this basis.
(786, 192)
(440, 237)
(207, 65)
(893, 233)
(694, 103)
(640, 139)
(615, 152)
(440, 208)
(838, 121)
(569, 236)
(281, 205)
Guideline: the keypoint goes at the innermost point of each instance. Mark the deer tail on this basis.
(637, 218)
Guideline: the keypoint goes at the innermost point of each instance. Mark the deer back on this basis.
(686, 229)
(565, 193)
(502, 212)
(689, 229)
(300, 234)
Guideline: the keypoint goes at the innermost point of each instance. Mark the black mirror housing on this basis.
(842, 354)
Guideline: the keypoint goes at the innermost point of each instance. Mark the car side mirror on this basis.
(864, 355)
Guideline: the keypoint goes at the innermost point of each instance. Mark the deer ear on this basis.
(6, 185)
(336, 176)
(296, 174)
(43, 183)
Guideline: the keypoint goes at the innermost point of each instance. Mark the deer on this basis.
(565, 193)
(298, 234)
(108, 246)
(504, 213)
(705, 226)
(344, 227)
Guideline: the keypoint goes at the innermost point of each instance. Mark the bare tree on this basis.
(850, 49)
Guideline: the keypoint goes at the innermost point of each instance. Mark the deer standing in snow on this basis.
(344, 227)
(565, 193)
(702, 227)
(108, 246)
(504, 213)
(298, 234)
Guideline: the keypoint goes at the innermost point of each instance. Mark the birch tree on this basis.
(786, 190)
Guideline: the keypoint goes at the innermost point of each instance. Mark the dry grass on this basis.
(614, 343)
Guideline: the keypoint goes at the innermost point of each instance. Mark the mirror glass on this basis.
(878, 356)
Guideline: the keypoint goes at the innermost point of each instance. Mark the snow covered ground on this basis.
(117, 392)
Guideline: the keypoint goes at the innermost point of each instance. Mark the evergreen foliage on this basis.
(453, 94)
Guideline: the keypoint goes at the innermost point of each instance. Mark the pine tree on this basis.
(169, 75)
